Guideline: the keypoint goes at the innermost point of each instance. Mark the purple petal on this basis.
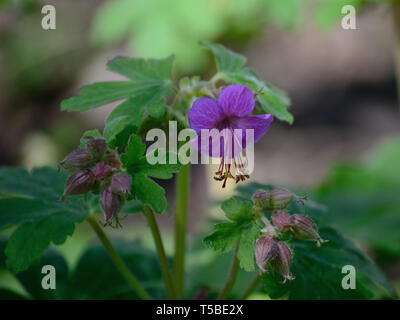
(205, 114)
(236, 100)
(259, 123)
(218, 143)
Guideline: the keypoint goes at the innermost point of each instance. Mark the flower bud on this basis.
(101, 171)
(77, 159)
(282, 220)
(111, 203)
(265, 251)
(96, 146)
(79, 183)
(261, 199)
(277, 199)
(305, 228)
(283, 261)
(280, 198)
(121, 183)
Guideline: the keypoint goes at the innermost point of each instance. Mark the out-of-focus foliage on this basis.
(364, 200)
(87, 280)
(156, 28)
(30, 200)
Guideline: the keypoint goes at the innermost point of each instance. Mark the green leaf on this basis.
(271, 99)
(90, 133)
(33, 203)
(116, 126)
(134, 151)
(238, 209)
(246, 247)
(225, 59)
(144, 188)
(149, 192)
(28, 242)
(224, 237)
(156, 109)
(31, 279)
(318, 272)
(243, 228)
(149, 77)
(230, 69)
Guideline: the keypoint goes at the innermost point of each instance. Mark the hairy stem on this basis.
(252, 286)
(169, 285)
(116, 258)
(182, 194)
(232, 275)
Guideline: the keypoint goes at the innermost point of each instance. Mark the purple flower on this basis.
(227, 114)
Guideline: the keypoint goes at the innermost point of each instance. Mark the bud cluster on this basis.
(270, 250)
(97, 169)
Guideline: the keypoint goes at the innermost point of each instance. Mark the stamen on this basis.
(224, 171)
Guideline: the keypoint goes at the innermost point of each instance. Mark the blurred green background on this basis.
(343, 149)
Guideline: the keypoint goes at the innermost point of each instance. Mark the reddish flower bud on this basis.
(305, 228)
(277, 199)
(261, 199)
(96, 146)
(282, 220)
(280, 198)
(121, 183)
(265, 251)
(79, 183)
(283, 261)
(101, 171)
(111, 203)
(77, 159)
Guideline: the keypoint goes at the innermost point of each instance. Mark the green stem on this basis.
(232, 275)
(182, 194)
(119, 263)
(252, 286)
(169, 285)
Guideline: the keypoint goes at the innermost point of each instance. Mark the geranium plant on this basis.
(269, 232)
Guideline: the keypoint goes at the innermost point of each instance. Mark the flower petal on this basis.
(259, 123)
(205, 114)
(236, 100)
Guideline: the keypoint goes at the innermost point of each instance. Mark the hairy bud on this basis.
(96, 146)
(101, 171)
(305, 228)
(111, 203)
(79, 183)
(280, 198)
(261, 199)
(77, 159)
(265, 251)
(282, 220)
(121, 183)
(277, 199)
(283, 261)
